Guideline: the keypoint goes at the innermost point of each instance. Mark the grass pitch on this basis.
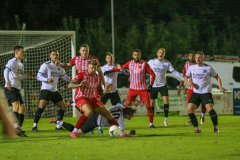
(177, 141)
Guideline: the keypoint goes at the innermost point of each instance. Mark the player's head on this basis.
(84, 51)
(191, 56)
(54, 55)
(199, 57)
(109, 58)
(136, 55)
(128, 112)
(161, 53)
(19, 52)
(92, 66)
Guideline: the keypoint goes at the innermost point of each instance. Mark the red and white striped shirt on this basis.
(87, 91)
(185, 68)
(138, 74)
(82, 64)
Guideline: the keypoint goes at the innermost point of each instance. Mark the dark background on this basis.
(211, 26)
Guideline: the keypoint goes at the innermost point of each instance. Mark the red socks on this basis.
(203, 109)
(113, 122)
(150, 113)
(81, 121)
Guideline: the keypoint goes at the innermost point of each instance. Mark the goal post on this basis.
(37, 45)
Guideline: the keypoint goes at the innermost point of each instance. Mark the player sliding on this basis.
(13, 75)
(202, 74)
(86, 83)
(160, 66)
(49, 74)
(119, 112)
(138, 86)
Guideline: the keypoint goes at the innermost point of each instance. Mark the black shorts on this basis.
(205, 98)
(47, 95)
(13, 95)
(114, 97)
(163, 91)
(90, 124)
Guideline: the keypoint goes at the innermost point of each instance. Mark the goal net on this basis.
(37, 46)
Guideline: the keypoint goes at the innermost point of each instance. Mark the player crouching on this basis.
(119, 112)
(86, 83)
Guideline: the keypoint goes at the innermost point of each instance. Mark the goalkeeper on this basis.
(119, 113)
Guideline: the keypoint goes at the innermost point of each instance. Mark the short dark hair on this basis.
(84, 45)
(200, 52)
(192, 52)
(17, 48)
(53, 51)
(137, 50)
(93, 62)
(109, 54)
(129, 111)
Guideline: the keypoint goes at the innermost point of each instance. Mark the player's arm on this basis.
(101, 75)
(64, 76)
(40, 76)
(219, 80)
(77, 82)
(153, 76)
(102, 92)
(180, 87)
(65, 65)
(6, 77)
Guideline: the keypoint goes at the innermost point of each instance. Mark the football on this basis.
(114, 131)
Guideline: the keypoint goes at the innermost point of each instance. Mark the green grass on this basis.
(177, 141)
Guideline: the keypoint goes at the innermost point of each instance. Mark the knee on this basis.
(190, 110)
(88, 113)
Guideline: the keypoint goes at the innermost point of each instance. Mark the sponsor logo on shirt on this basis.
(140, 66)
(204, 71)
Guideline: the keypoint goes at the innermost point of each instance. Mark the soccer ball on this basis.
(114, 131)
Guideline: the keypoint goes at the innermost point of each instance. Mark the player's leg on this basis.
(62, 108)
(101, 109)
(189, 93)
(85, 108)
(16, 105)
(203, 110)
(21, 113)
(131, 96)
(164, 93)
(208, 103)
(145, 98)
(44, 98)
(42, 105)
(115, 98)
(193, 104)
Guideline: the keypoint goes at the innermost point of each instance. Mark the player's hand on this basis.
(222, 90)
(125, 135)
(9, 86)
(50, 80)
(83, 83)
(108, 87)
(188, 83)
(107, 72)
(149, 88)
(129, 79)
(29, 73)
(118, 66)
(57, 63)
(179, 91)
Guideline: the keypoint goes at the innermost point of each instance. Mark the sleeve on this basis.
(79, 77)
(66, 78)
(178, 75)
(150, 71)
(188, 74)
(99, 65)
(121, 123)
(114, 70)
(72, 62)
(213, 73)
(41, 78)
(126, 65)
(23, 76)
(125, 71)
(100, 83)
(6, 74)
(11, 67)
(184, 70)
(170, 67)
